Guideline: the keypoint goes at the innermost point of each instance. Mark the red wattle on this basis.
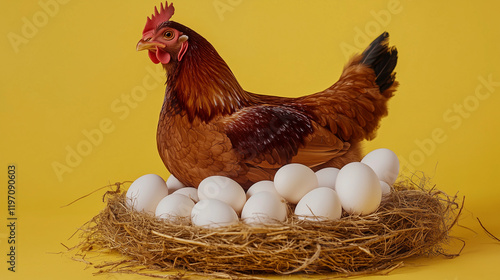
(163, 57)
(152, 56)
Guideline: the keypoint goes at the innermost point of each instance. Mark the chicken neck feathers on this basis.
(210, 120)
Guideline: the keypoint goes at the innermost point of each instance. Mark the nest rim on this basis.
(413, 220)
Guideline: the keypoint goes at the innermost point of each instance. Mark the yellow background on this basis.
(69, 68)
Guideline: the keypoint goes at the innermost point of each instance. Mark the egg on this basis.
(319, 204)
(174, 184)
(213, 213)
(145, 193)
(386, 189)
(224, 189)
(175, 208)
(327, 177)
(293, 181)
(264, 208)
(189, 192)
(358, 188)
(261, 186)
(385, 163)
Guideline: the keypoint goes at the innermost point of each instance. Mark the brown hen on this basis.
(209, 125)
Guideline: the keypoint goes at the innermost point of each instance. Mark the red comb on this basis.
(158, 17)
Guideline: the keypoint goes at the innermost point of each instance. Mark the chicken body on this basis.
(209, 125)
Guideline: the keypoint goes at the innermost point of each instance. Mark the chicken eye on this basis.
(169, 35)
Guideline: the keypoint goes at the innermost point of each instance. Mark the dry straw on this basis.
(414, 220)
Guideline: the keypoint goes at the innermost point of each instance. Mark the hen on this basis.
(209, 125)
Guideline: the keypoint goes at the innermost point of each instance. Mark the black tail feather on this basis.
(382, 59)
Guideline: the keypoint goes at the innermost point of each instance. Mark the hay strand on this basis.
(414, 220)
(490, 235)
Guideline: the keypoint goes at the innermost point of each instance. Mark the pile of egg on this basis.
(358, 188)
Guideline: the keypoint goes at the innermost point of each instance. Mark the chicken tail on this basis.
(382, 59)
(353, 106)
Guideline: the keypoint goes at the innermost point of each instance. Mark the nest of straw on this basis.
(414, 220)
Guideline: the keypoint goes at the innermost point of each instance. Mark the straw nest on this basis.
(414, 220)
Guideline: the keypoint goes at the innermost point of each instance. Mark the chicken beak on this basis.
(148, 45)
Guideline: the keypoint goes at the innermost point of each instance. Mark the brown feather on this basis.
(210, 126)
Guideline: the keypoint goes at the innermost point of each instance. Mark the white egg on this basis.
(175, 208)
(189, 192)
(358, 188)
(213, 213)
(264, 208)
(386, 189)
(174, 184)
(224, 189)
(293, 181)
(261, 186)
(319, 204)
(145, 193)
(327, 177)
(385, 163)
